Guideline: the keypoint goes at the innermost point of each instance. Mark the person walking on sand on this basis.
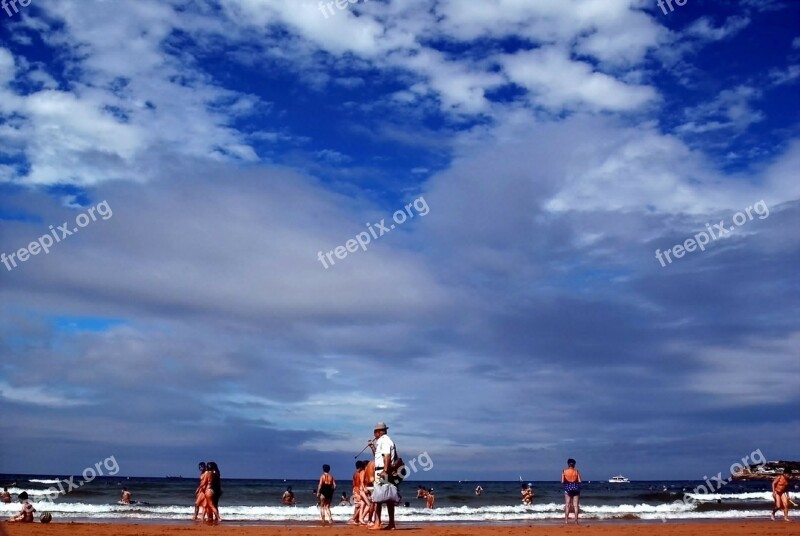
(571, 479)
(325, 489)
(385, 456)
(216, 486)
(199, 493)
(780, 494)
(211, 489)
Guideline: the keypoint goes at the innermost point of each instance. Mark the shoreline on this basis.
(604, 528)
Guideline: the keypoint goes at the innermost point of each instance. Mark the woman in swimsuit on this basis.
(211, 481)
(325, 489)
(571, 478)
(199, 494)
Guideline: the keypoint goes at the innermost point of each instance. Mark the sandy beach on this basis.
(734, 528)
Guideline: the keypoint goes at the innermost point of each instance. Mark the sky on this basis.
(516, 231)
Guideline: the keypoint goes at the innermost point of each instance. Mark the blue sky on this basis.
(525, 318)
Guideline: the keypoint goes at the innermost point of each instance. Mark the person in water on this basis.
(126, 496)
(478, 490)
(430, 499)
(325, 489)
(288, 497)
(571, 479)
(527, 495)
(26, 514)
(780, 494)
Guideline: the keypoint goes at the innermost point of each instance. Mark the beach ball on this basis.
(46, 517)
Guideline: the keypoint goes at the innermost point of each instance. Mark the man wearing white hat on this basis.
(385, 455)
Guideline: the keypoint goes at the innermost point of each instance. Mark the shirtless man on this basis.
(367, 487)
(26, 514)
(356, 495)
(5, 497)
(780, 493)
(126, 496)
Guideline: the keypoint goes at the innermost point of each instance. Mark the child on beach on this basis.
(26, 514)
(571, 479)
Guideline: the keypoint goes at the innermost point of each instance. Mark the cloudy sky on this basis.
(226, 148)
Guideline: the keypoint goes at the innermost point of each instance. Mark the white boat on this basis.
(619, 479)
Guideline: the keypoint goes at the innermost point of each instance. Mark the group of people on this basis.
(370, 479)
(208, 492)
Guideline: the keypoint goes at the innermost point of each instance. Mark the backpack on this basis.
(398, 471)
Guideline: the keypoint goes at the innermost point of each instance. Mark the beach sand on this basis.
(733, 528)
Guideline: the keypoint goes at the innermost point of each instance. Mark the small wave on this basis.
(43, 481)
(714, 497)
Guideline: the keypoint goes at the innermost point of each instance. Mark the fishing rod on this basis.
(368, 445)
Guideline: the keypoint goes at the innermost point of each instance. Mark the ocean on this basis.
(170, 500)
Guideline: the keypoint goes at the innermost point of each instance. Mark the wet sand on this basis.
(732, 528)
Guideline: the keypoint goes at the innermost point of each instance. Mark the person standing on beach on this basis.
(780, 493)
(325, 489)
(356, 495)
(385, 456)
(367, 487)
(571, 479)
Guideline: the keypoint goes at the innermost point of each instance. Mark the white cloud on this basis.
(37, 396)
(731, 109)
(557, 82)
(704, 29)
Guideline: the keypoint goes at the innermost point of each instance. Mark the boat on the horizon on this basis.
(619, 479)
